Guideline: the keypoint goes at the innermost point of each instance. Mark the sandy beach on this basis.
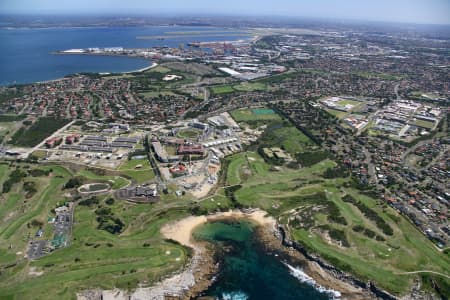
(181, 231)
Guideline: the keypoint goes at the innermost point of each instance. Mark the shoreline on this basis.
(199, 273)
(153, 65)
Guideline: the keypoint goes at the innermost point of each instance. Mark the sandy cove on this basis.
(181, 231)
(197, 275)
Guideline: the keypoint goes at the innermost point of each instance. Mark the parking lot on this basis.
(37, 249)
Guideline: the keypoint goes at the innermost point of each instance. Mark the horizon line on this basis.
(199, 15)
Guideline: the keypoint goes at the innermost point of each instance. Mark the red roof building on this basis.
(191, 149)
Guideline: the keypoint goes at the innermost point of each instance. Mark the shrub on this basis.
(89, 202)
(308, 159)
(109, 201)
(73, 183)
(370, 214)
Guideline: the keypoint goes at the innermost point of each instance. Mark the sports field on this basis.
(222, 89)
(188, 133)
(424, 124)
(251, 115)
(250, 86)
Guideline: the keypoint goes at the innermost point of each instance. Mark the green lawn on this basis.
(5, 127)
(117, 182)
(249, 115)
(424, 124)
(160, 69)
(140, 175)
(337, 113)
(188, 133)
(292, 140)
(222, 89)
(250, 86)
(348, 101)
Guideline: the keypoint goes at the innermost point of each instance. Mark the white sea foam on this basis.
(237, 295)
(303, 277)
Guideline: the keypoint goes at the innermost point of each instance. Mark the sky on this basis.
(408, 11)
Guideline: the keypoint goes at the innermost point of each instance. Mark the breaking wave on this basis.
(303, 277)
(238, 295)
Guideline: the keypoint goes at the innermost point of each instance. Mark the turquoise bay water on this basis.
(26, 54)
(247, 272)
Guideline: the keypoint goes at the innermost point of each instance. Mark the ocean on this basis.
(26, 54)
(247, 272)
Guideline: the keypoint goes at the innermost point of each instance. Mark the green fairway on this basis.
(95, 257)
(288, 192)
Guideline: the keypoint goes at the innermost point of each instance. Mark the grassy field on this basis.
(250, 87)
(286, 193)
(140, 175)
(249, 115)
(11, 118)
(337, 113)
(341, 114)
(95, 258)
(117, 182)
(222, 89)
(424, 124)
(188, 133)
(384, 76)
(283, 134)
(160, 69)
(348, 101)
